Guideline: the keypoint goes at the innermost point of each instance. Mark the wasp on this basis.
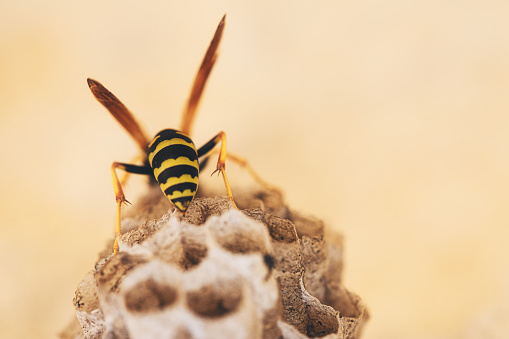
(171, 158)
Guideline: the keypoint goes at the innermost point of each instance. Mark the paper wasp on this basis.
(171, 157)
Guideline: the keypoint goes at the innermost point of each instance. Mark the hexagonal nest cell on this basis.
(263, 271)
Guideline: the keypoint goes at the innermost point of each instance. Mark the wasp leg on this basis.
(119, 193)
(125, 175)
(242, 162)
(245, 164)
(220, 137)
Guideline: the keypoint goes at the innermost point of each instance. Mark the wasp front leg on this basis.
(119, 193)
(221, 161)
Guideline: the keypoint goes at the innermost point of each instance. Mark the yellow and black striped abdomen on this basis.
(174, 160)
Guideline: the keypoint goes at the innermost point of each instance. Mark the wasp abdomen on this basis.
(174, 160)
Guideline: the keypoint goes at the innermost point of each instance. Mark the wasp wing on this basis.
(201, 78)
(119, 112)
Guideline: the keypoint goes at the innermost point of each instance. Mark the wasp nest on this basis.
(259, 272)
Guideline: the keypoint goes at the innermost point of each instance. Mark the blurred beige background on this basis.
(388, 119)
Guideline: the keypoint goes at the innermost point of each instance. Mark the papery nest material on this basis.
(218, 272)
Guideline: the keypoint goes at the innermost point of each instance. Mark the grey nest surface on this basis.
(263, 271)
